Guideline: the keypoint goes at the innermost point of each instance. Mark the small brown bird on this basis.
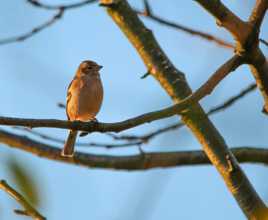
(84, 99)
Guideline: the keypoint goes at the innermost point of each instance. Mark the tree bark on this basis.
(175, 84)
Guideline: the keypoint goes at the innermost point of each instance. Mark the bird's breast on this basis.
(86, 99)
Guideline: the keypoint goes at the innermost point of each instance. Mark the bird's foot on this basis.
(84, 133)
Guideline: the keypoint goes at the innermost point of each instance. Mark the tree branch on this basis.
(264, 42)
(173, 81)
(34, 31)
(61, 9)
(142, 161)
(93, 126)
(258, 14)
(90, 126)
(226, 18)
(29, 210)
(257, 60)
(150, 15)
(232, 99)
(79, 144)
(39, 4)
(259, 69)
(246, 35)
(229, 102)
(137, 140)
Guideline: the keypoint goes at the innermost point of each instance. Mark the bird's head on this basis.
(89, 67)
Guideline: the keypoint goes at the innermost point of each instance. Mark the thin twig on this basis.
(79, 144)
(264, 42)
(61, 9)
(147, 137)
(34, 31)
(233, 99)
(148, 13)
(191, 31)
(39, 4)
(29, 210)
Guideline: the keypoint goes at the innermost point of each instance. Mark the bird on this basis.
(84, 100)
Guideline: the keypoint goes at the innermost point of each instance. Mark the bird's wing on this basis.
(69, 96)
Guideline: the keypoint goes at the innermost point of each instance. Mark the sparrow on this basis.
(84, 99)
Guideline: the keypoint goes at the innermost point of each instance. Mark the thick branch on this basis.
(225, 18)
(246, 35)
(258, 13)
(257, 60)
(259, 69)
(29, 210)
(134, 162)
(174, 83)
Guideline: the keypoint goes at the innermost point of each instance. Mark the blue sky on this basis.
(35, 75)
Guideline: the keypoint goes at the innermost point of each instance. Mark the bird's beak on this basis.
(100, 67)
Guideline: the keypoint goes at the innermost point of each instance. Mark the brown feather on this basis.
(84, 98)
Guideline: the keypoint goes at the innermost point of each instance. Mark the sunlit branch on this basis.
(134, 140)
(221, 107)
(224, 17)
(246, 35)
(93, 126)
(29, 210)
(174, 83)
(257, 60)
(258, 13)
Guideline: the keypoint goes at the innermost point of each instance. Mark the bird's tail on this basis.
(68, 149)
